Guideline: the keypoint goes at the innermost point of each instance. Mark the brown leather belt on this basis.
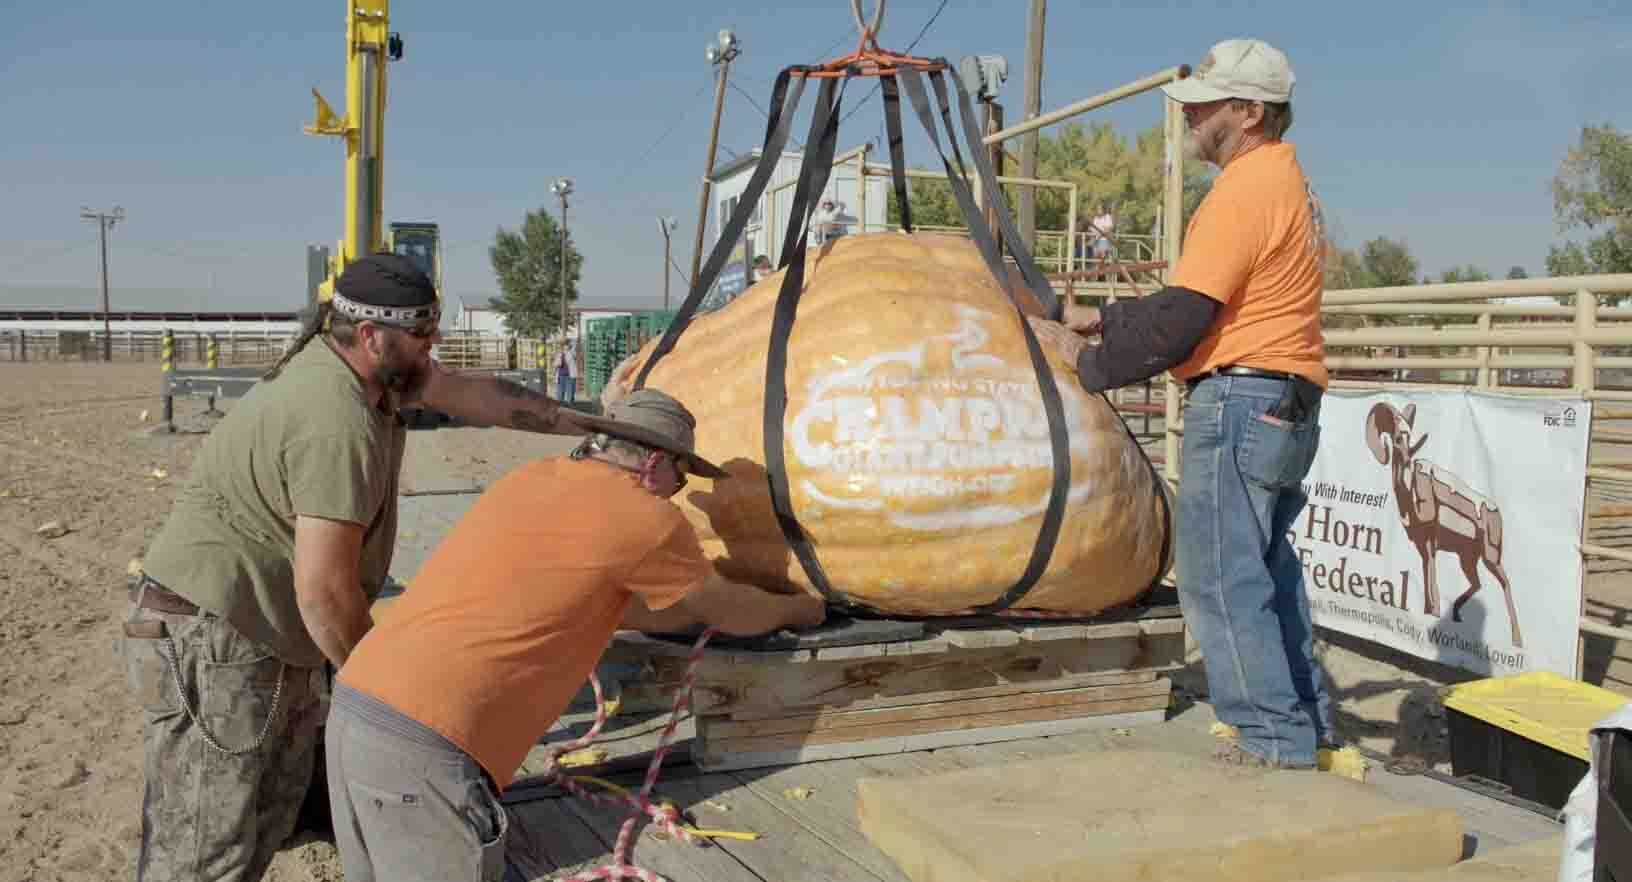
(158, 598)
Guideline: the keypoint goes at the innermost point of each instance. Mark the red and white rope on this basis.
(664, 815)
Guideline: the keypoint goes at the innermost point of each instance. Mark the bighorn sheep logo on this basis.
(1439, 512)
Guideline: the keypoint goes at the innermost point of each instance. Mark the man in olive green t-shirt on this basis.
(265, 570)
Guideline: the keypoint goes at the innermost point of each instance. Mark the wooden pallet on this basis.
(955, 687)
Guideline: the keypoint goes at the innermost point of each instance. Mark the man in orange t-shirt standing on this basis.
(1239, 323)
(438, 705)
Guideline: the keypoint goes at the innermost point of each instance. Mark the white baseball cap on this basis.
(1249, 69)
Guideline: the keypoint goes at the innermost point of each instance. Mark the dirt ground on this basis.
(79, 451)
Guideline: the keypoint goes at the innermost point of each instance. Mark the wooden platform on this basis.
(805, 814)
(957, 686)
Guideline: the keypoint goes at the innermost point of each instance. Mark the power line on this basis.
(763, 112)
(686, 111)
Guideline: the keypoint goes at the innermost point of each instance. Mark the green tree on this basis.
(1125, 177)
(1467, 273)
(1592, 192)
(932, 204)
(1517, 272)
(528, 267)
(1388, 262)
(1345, 269)
(1107, 169)
(1600, 255)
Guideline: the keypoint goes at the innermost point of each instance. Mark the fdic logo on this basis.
(1565, 419)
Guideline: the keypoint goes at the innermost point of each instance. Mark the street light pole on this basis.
(563, 188)
(666, 225)
(104, 222)
(722, 52)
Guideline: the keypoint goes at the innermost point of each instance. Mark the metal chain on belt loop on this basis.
(664, 815)
(181, 693)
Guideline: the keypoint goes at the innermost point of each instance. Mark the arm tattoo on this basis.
(531, 411)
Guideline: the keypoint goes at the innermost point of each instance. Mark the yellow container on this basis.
(1528, 731)
(1541, 706)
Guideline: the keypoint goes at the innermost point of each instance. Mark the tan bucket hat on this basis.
(655, 419)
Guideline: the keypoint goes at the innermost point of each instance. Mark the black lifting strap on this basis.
(898, 166)
(813, 175)
(1038, 282)
(783, 107)
(1035, 280)
(1058, 435)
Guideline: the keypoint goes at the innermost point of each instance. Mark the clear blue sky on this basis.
(1442, 123)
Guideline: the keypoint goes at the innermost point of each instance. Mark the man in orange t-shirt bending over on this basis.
(438, 705)
(1239, 323)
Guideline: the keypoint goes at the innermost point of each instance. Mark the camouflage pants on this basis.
(218, 811)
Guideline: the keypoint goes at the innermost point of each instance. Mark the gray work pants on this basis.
(408, 805)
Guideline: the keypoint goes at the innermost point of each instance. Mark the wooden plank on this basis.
(716, 746)
(1153, 627)
(927, 713)
(1070, 682)
(842, 653)
(986, 638)
(526, 851)
(918, 647)
(828, 810)
(745, 688)
(1184, 731)
(786, 850)
(912, 746)
(1058, 632)
(1042, 633)
(545, 836)
(996, 753)
(662, 663)
(1490, 821)
(675, 860)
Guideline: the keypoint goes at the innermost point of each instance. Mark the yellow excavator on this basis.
(370, 46)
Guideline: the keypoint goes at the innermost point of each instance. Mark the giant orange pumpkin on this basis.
(917, 449)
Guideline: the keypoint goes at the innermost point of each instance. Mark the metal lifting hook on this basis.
(868, 32)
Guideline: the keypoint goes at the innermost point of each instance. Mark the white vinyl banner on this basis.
(1448, 525)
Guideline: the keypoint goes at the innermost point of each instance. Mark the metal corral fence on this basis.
(1450, 336)
(239, 348)
(458, 350)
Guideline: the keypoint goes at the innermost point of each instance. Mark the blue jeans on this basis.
(1240, 581)
(565, 388)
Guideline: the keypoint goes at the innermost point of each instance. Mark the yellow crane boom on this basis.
(370, 46)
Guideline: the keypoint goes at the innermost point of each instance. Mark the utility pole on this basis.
(1033, 108)
(721, 53)
(104, 222)
(563, 188)
(666, 225)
